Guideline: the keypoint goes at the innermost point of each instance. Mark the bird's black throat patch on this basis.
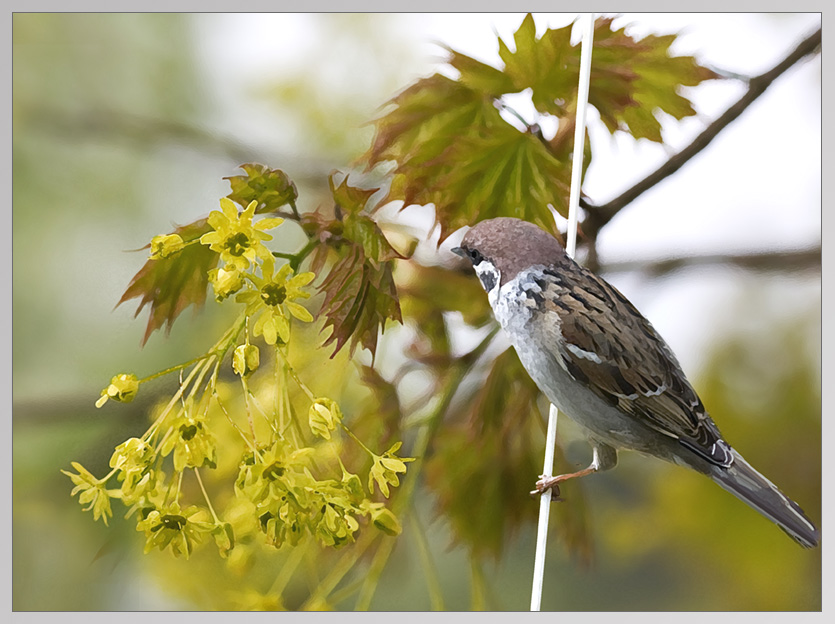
(488, 280)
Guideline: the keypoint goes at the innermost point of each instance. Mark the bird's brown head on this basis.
(509, 245)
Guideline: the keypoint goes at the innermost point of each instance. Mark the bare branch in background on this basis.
(148, 131)
(598, 216)
(770, 261)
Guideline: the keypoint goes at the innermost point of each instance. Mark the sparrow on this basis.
(597, 359)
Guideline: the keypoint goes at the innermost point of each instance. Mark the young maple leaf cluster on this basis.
(453, 148)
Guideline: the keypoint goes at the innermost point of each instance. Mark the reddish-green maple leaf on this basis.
(453, 150)
(480, 76)
(630, 79)
(657, 79)
(359, 297)
(359, 289)
(424, 117)
(271, 188)
(170, 285)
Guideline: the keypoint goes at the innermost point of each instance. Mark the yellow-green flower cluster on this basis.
(276, 490)
(291, 503)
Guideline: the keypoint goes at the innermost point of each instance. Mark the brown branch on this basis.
(599, 216)
(766, 261)
(151, 131)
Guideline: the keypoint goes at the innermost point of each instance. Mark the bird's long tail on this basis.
(741, 480)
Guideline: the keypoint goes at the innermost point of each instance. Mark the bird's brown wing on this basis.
(613, 350)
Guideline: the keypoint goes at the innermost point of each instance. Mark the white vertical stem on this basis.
(579, 134)
(571, 245)
(544, 512)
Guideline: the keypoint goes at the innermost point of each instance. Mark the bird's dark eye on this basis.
(475, 256)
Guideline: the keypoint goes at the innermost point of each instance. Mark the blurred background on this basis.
(125, 124)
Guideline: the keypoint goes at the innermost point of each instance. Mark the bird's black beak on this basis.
(458, 251)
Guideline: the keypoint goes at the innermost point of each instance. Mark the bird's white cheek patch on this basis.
(490, 279)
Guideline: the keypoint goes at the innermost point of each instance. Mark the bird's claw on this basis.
(547, 483)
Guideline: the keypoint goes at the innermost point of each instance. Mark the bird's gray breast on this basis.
(536, 336)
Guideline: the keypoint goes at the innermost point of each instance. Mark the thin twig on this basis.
(430, 570)
(770, 261)
(599, 216)
(114, 125)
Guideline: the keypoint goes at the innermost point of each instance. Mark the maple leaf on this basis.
(481, 76)
(549, 66)
(271, 188)
(454, 150)
(169, 285)
(656, 82)
(355, 225)
(349, 198)
(359, 297)
(630, 79)
(359, 289)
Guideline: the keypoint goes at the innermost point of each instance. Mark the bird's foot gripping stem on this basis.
(552, 483)
(604, 458)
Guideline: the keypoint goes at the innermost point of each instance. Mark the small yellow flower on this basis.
(122, 388)
(134, 459)
(91, 490)
(235, 237)
(351, 483)
(323, 416)
(246, 359)
(385, 469)
(224, 536)
(274, 293)
(165, 246)
(336, 526)
(173, 528)
(382, 518)
(191, 440)
(226, 281)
